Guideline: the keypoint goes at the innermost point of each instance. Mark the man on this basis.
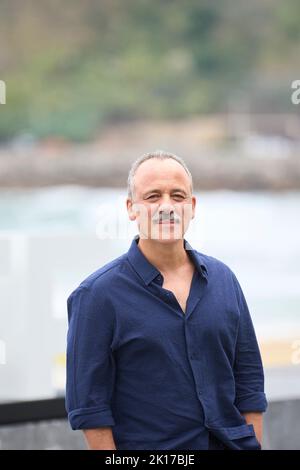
(162, 352)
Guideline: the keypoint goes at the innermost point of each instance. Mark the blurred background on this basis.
(90, 86)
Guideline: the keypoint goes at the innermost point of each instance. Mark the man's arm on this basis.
(99, 439)
(248, 369)
(257, 420)
(90, 366)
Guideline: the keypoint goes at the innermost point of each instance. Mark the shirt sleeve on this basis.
(248, 368)
(90, 363)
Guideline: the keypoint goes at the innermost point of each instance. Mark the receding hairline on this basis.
(158, 155)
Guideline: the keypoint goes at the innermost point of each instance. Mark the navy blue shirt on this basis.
(162, 378)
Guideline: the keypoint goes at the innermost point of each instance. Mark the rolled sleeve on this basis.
(248, 367)
(90, 362)
(88, 418)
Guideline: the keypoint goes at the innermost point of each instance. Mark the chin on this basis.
(168, 241)
(169, 237)
(166, 235)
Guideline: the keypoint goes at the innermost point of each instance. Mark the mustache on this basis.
(169, 216)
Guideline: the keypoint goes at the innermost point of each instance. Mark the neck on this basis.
(164, 256)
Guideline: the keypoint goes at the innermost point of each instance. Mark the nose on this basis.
(166, 204)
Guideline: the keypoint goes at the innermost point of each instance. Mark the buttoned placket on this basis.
(192, 303)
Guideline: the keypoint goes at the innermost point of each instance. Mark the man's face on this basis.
(162, 202)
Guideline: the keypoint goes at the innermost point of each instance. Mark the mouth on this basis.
(167, 219)
(166, 222)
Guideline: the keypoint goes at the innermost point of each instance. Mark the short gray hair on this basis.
(160, 155)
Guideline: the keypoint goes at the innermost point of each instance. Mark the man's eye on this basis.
(178, 196)
(153, 196)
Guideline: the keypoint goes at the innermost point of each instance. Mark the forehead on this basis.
(160, 174)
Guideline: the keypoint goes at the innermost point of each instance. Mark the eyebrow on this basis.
(176, 190)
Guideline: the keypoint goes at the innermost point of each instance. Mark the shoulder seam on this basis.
(90, 284)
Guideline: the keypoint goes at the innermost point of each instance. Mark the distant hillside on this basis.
(72, 67)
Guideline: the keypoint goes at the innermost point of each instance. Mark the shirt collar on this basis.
(148, 272)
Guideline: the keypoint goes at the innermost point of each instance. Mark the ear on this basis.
(131, 213)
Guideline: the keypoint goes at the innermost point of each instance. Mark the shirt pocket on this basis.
(237, 437)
